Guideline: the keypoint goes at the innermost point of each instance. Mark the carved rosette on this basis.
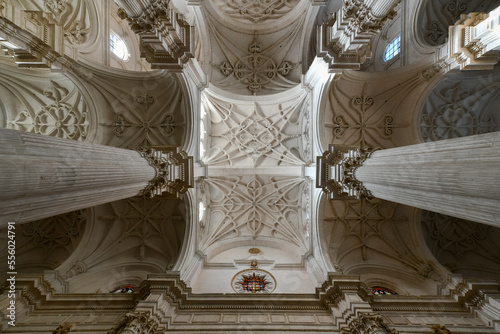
(335, 172)
(258, 71)
(173, 172)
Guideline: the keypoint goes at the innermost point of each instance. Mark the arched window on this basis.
(124, 289)
(382, 291)
(393, 49)
(118, 46)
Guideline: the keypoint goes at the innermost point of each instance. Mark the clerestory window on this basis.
(393, 49)
(118, 46)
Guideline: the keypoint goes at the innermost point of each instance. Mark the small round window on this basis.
(393, 49)
(118, 46)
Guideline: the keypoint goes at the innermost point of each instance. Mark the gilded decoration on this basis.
(253, 281)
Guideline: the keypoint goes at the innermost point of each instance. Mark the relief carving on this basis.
(76, 34)
(58, 9)
(258, 207)
(66, 117)
(368, 323)
(59, 231)
(145, 120)
(459, 108)
(437, 16)
(256, 11)
(256, 70)
(361, 120)
(263, 135)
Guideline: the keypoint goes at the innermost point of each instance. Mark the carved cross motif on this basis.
(150, 124)
(255, 69)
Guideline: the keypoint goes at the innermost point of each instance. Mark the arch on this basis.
(435, 17)
(461, 104)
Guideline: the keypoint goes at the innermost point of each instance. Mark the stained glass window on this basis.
(124, 289)
(118, 46)
(393, 49)
(382, 291)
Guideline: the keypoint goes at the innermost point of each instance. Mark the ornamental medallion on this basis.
(253, 281)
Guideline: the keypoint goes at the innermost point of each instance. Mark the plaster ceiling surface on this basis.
(255, 57)
(255, 143)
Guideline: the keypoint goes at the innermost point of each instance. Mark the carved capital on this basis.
(64, 328)
(440, 329)
(173, 172)
(136, 323)
(345, 37)
(368, 323)
(166, 37)
(336, 169)
(474, 41)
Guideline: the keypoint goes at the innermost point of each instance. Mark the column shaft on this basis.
(43, 176)
(380, 8)
(458, 177)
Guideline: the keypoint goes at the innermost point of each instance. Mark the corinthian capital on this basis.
(173, 172)
(336, 169)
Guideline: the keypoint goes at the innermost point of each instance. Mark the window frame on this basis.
(115, 38)
(393, 49)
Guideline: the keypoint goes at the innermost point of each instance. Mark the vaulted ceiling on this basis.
(263, 108)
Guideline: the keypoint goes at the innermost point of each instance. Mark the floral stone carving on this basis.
(256, 11)
(65, 118)
(257, 70)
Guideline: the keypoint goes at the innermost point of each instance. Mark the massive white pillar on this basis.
(41, 176)
(457, 177)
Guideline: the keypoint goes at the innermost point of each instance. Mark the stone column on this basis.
(457, 177)
(41, 176)
(380, 8)
(474, 41)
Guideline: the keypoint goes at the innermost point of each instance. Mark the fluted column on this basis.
(41, 176)
(380, 8)
(458, 177)
(133, 8)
